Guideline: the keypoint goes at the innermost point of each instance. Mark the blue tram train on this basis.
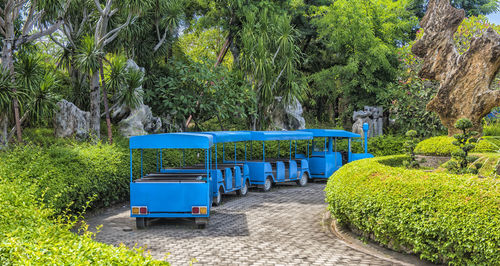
(190, 191)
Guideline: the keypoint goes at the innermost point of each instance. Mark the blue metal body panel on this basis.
(324, 163)
(259, 171)
(234, 176)
(170, 199)
(164, 193)
(284, 169)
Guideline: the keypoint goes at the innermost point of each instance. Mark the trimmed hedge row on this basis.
(443, 146)
(29, 234)
(442, 217)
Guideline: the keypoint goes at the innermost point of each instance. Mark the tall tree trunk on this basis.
(105, 99)
(8, 63)
(95, 107)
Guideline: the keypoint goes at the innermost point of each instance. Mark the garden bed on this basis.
(441, 217)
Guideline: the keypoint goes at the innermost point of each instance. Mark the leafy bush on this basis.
(29, 234)
(493, 129)
(386, 145)
(444, 218)
(443, 146)
(70, 174)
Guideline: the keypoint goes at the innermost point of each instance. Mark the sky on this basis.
(494, 18)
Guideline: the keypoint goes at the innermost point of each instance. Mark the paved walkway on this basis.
(279, 227)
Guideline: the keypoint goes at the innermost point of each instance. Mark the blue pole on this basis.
(131, 174)
(245, 151)
(235, 152)
(141, 165)
(365, 132)
(295, 148)
(278, 149)
(308, 150)
(324, 147)
(263, 151)
(349, 147)
(290, 150)
(157, 164)
(223, 152)
(215, 156)
(161, 159)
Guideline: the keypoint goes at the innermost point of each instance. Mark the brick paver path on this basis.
(282, 226)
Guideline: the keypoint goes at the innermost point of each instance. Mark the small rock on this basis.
(127, 229)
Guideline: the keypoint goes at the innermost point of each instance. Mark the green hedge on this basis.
(30, 235)
(442, 217)
(443, 146)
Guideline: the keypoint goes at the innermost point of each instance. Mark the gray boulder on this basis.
(140, 121)
(70, 121)
(288, 116)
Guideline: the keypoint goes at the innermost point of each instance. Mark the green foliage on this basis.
(201, 90)
(437, 146)
(203, 45)
(360, 40)
(385, 145)
(29, 233)
(410, 145)
(409, 97)
(465, 141)
(67, 174)
(270, 55)
(443, 146)
(441, 217)
(492, 129)
(87, 57)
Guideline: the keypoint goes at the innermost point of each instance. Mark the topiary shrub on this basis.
(443, 146)
(462, 162)
(444, 218)
(436, 146)
(410, 144)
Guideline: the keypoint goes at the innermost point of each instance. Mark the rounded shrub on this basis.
(444, 218)
(443, 146)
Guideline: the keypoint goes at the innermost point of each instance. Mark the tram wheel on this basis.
(244, 190)
(303, 180)
(140, 222)
(218, 199)
(268, 184)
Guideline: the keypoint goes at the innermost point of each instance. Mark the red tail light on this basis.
(144, 210)
(195, 210)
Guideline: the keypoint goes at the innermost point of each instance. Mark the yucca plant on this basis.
(131, 93)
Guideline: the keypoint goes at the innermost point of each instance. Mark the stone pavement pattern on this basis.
(278, 227)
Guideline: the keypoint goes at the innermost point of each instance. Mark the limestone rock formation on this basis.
(288, 116)
(140, 121)
(70, 121)
(465, 79)
(373, 116)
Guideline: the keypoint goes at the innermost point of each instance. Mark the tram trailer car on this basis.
(323, 164)
(172, 193)
(236, 174)
(268, 171)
